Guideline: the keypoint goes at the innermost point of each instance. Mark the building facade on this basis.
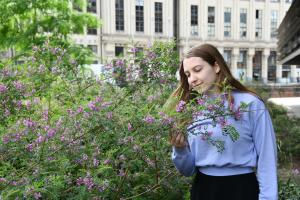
(245, 31)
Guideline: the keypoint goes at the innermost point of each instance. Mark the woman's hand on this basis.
(178, 140)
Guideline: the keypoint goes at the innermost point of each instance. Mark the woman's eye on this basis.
(197, 69)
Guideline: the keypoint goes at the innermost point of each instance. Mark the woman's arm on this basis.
(265, 145)
(182, 157)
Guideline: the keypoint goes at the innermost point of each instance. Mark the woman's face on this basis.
(201, 75)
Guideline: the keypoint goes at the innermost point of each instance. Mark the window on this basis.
(194, 20)
(92, 6)
(92, 31)
(227, 22)
(139, 16)
(211, 22)
(258, 24)
(119, 51)
(227, 57)
(274, 20)
(94, 48)
(119, 15)
(158, 12)
(243, 23)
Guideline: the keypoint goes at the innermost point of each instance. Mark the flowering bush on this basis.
(65, 135)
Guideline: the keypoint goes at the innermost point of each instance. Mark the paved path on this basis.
(291, 103)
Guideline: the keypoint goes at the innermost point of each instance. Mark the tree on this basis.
(25, 23)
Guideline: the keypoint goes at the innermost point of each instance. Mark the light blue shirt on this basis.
(255, 148)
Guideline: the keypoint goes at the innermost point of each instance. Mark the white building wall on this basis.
(107, 38)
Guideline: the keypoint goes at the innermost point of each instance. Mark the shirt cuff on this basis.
(181, 150)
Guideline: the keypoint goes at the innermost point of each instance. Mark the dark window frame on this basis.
(119, 9)
(158, 17)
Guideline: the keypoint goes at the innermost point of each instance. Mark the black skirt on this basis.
(236, 187)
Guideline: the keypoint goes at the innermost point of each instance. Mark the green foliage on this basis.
(26, 23)
(287, 130)
(289, 190)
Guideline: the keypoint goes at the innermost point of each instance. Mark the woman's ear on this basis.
(217, 68)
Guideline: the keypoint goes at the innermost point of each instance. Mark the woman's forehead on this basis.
(192, 61)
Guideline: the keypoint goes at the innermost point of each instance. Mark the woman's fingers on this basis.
(178, 140)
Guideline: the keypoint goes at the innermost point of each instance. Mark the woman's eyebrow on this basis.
(193, 68)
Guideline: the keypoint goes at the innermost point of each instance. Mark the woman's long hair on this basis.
(211, 55)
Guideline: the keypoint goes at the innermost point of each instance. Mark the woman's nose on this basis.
(193, 79)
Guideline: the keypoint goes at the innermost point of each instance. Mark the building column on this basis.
(234, 59)
(278, 73)
(249, 74)
(264, 67)
(293, 74)
(221, 50)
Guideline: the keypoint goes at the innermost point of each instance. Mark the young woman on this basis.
(246, 169)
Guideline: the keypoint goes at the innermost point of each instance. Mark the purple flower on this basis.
(86, 115)
(106, 162)
(200, 101)
(84, 157)
(29, 123)
(210, 107)
(109, 115)
(238, 114)
(95, 162)
(30, 147)
(151, 55)
(149, 119)
(40, 139)
(3, 88)
(120, 63)
(5, 139)
(51, 133)
(180, 106)
(106, 104)
(28, 105)
(134, 50)
(2, 180)
(121, 172)
(62, 138)
(92, 106)
(6, 113)
(129, 127)
(37, 195)
(45, 114)
(295, 172)
(18, 85)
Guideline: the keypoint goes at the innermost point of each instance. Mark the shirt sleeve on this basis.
(184, 160)
(265, 146)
